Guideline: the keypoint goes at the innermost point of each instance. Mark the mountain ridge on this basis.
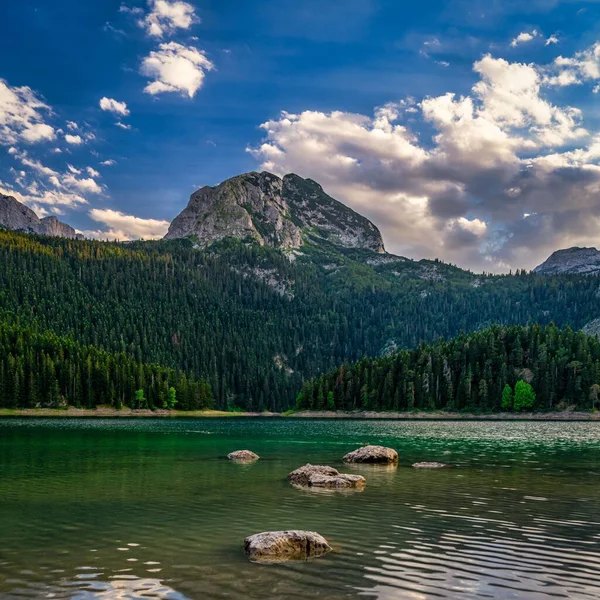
(17, 216)
(575, 260)
(283, 213)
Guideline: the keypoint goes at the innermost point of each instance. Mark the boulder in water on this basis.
(283, 546)
(429, 465)
(372, 454)
(243, 455)
(324, 477)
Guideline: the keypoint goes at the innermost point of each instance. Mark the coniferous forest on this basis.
(501, 368)
(249, 325)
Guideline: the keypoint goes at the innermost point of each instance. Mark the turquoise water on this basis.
(150, 508)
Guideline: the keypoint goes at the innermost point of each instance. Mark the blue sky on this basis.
(355, 94)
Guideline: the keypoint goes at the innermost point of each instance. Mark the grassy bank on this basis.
(413, 415)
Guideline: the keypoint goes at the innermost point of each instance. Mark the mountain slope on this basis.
(17, 216)
(580, 261)
(281, 213)
(254, 323)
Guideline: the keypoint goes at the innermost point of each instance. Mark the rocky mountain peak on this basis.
(584, 261)
(281, 213)
(15, 215)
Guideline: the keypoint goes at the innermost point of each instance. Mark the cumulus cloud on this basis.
(167, 16)
(125, 126)
(124, 227)
(523, 38)
(114, 106)
(581, 67)
(498, 153)
(108, 163)
(553, 39)
(74, 140)
(175, 68)
(22, 116)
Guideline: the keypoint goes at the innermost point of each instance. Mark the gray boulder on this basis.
(372, 454)
(243, 455)
(324, 477)
(283, 546)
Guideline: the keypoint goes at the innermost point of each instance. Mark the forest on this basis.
(252, 322)
(44, 370)
(511, 368)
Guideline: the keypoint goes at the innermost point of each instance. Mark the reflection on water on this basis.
(150, 509)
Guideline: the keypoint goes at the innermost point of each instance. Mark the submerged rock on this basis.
(283, 546)
(372, 454)
(243, 455)
(325, 477)
(430, 465)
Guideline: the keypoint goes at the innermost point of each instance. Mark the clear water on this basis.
(150, 508)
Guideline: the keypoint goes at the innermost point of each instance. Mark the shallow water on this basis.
(151, 509)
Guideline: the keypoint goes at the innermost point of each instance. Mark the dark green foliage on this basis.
(44, 370)
(549, 369)
(256, 324)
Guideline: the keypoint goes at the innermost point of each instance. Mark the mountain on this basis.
(580, 261)
(17, 216)
(281, 213)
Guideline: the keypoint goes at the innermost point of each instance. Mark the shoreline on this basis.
(106, 412)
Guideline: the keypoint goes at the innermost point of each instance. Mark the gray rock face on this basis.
(324, 477)
(372, 454)
(281, 213)
(243, 455)
(17, 216)
(584, 261)
(283, 546)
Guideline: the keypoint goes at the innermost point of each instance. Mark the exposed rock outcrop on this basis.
(582, 261)
(325, 477)
(17, 216)
(282, 213)
(372, 454)
(243, 455)
(429, 465)
(283, 546)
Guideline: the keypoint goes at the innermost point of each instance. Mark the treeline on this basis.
(250, 321)
(500, 368)
(47, 371)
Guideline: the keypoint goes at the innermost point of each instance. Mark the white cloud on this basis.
(553, 39)
(582, 66)
(524, 37)
(175, 68)
(92, 172)
(22, 116)
(72, 126)
(123, 126)
(114, 106)
(126, 227)
(108, 163)
(36, 199)
(68, 183)
(74, 140)
(166, 16)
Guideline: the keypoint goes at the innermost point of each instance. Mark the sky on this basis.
(466, 130)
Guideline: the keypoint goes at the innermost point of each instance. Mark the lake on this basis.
(150, 508)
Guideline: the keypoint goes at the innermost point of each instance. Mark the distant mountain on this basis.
(580, 261)
(17, 216)
(281, 213)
